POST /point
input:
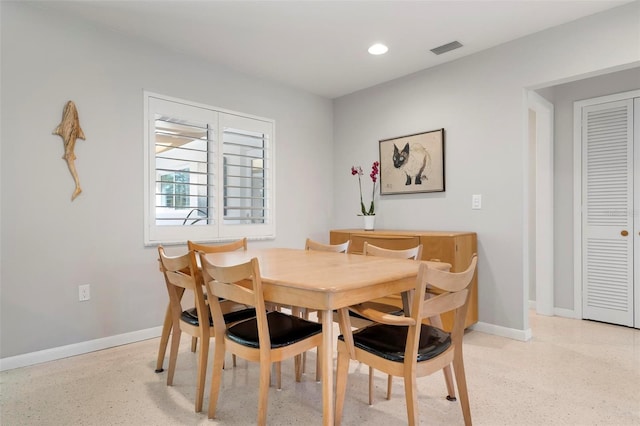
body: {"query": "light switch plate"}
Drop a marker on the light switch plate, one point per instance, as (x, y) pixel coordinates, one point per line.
(476, 201)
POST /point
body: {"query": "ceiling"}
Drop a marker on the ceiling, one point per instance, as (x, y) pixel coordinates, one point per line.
(321, 46)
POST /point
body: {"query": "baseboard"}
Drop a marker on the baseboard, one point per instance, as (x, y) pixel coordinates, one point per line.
(60, 352)
(558, 312)
(511, 333)
(565, 313)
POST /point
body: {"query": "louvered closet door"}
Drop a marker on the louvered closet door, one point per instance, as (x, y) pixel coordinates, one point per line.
(607, 194)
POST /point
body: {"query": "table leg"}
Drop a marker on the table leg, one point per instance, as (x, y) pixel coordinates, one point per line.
(327, 368)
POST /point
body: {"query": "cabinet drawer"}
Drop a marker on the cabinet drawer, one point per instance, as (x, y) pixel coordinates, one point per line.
(394, 242)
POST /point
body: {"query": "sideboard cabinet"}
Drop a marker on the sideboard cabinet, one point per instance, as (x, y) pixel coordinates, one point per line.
(455, 248)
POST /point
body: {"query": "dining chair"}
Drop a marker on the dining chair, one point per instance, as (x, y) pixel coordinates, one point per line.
(220, 248)
(194, 247)
(167, 324)
(268, 337)
(182, 274)
(414, 253)
(404, 346)
(335, 248)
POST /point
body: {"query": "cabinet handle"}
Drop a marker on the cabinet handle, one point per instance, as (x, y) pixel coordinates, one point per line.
(624, 233)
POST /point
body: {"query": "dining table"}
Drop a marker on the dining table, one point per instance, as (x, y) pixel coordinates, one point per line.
(326, 282)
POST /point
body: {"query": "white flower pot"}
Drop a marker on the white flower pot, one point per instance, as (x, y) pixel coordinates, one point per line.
(369, 222)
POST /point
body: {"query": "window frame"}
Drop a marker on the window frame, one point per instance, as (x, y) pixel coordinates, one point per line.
(220, 119)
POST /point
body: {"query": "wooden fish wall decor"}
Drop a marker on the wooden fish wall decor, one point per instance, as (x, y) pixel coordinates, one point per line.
(69, 129)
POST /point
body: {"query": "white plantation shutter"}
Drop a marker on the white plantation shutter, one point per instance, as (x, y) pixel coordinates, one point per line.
(607, 138)
(208, 173)
(247, 184)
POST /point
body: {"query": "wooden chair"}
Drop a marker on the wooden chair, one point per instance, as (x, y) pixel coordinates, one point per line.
(404, 346)
(335, 248)
(166, 326)
(414, 253)
(182, 274)
(267, 338)
(236, 245)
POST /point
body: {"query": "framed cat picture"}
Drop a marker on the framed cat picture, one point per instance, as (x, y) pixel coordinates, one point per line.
(412, 163)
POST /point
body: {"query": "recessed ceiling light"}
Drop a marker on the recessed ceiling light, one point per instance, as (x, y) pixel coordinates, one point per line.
(378, 49)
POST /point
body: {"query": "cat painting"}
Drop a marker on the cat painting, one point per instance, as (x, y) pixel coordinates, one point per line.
(414, 160)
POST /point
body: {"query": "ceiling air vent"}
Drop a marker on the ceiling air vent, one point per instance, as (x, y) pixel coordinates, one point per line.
(446, 47)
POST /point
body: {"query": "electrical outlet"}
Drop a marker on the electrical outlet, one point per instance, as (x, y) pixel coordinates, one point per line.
(84, 292)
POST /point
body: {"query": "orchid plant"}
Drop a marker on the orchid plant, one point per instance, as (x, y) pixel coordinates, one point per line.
(375, 170)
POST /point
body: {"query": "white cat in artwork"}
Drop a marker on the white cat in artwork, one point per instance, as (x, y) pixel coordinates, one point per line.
(414, 160)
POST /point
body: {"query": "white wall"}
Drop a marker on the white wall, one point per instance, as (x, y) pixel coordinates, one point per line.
(480, 101)
(563, 96)
(51, 245)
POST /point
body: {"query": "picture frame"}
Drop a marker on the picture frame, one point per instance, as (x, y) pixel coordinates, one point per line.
(413, 163)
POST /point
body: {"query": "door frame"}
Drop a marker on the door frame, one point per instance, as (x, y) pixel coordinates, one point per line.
(577, 191)
(636, 206)
(543, 193)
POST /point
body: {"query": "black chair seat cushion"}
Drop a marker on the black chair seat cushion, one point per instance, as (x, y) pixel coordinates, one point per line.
(283, 329)
(389, 341)
(190, 316)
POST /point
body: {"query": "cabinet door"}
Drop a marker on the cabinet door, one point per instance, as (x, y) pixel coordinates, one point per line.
(440, 248)
(339, 237)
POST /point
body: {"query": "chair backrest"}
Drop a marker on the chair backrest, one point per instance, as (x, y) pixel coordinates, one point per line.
(195, 248)
(337, 248)
(414, 253)
(218, 248)
(239, 283)
(181, 273)
(452, 290)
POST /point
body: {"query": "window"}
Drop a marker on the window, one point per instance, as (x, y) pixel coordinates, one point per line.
(209, 173)
(174, 188)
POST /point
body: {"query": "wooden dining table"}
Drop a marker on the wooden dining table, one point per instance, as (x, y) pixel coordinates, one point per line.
(325, 282)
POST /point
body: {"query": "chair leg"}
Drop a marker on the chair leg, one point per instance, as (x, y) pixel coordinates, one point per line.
(448, 379)
(342, 371)
(164, 340)
(389, 382)
(370, 385)
(318, 367)
(304, 313)
(173, 354)
(411, 393)
(194, 344)
(263, 399)
(203, 358)
(278, 375)
(297, 360)
(216, 377)
(461, 381)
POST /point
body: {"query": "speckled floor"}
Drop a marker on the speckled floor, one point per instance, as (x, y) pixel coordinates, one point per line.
(571, 373)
